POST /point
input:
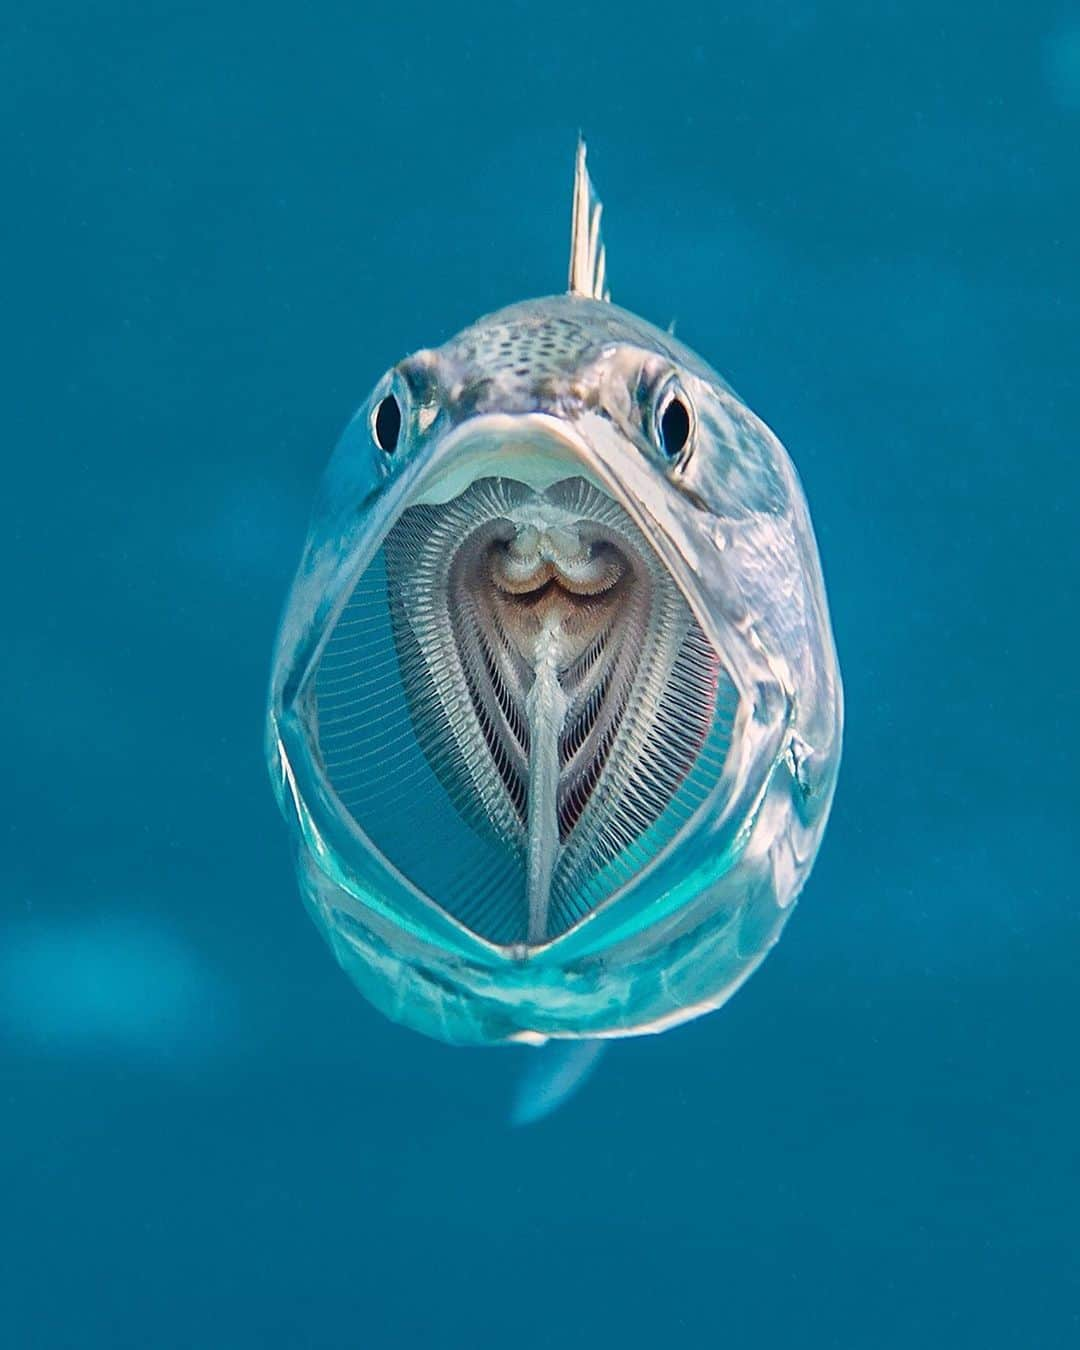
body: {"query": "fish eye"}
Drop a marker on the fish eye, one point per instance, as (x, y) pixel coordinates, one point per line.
(674, 424)
(386, 424)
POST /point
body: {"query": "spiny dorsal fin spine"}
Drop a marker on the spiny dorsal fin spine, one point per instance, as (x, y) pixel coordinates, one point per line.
(588, 263)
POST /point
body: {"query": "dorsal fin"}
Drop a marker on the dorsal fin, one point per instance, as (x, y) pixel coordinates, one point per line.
(587, 262)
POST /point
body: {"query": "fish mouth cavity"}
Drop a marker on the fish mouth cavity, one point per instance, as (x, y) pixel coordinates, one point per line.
(542, 582)
(518, 706)
(545, 601)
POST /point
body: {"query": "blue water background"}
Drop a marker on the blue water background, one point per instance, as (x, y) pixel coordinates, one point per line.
(221, 224)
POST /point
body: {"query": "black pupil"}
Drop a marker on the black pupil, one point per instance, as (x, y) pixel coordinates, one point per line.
(387, 423)
(674, 427)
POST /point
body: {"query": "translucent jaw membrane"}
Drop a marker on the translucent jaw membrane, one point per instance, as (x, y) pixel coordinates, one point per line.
(517, 706)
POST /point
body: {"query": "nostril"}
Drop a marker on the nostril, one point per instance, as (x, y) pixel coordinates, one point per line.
(421, 375)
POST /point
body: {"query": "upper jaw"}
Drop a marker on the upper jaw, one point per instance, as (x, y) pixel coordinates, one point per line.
(536, 449)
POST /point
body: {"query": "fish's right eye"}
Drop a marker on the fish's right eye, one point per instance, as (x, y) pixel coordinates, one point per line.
(386, 424)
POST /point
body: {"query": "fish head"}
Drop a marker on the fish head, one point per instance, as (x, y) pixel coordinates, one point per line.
(557, 634)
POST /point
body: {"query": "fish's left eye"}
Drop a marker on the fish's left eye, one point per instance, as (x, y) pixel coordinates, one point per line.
(673, 423)
(675, 428)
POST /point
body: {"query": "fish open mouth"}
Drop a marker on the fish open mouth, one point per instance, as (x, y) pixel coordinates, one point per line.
(517, 705)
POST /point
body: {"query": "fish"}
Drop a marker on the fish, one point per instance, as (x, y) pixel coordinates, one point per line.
(555, 713)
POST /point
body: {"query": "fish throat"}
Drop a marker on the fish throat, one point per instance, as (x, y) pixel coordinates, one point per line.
(542, 601)
(559, 689)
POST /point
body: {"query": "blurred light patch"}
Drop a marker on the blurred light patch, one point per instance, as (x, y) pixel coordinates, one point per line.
(116, 986)
(1063, 65)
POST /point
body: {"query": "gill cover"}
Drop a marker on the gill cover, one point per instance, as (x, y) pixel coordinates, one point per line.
(555, 713)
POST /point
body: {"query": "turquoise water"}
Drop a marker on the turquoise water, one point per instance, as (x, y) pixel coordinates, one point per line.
(221, 225)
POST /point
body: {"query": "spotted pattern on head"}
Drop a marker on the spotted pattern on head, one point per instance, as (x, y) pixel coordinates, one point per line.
(536, 357)
(526, 347)
(518, 363)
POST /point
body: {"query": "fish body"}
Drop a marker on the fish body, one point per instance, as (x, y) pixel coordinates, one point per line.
(555, 714)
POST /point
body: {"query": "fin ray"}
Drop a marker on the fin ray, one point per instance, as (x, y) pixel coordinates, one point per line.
(588, 261)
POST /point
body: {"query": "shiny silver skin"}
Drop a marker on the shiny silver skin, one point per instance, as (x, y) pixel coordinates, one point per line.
(545, 390)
